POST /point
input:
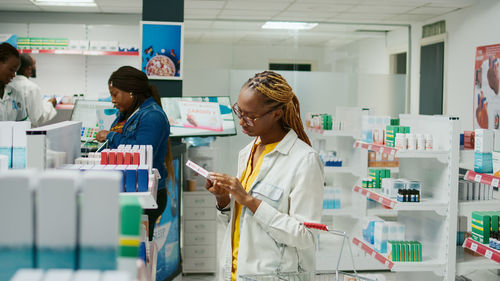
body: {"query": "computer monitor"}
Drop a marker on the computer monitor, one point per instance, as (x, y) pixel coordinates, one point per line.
(199, 116)
(94, 115)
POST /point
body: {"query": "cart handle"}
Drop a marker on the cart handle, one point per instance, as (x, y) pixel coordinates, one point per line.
(319, 226)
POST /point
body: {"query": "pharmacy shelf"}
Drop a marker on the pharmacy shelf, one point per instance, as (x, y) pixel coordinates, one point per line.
(432, 265)
(331, 133)
(341, 170)
(465, 208)
(423, 205)
(467, 263)
(146, 199)
(441, 156)
(482, 178)
(394, 170)
(79, 52)
(482, 249)
(381, 212)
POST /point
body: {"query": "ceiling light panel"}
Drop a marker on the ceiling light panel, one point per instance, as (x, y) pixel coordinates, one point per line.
(289, 25)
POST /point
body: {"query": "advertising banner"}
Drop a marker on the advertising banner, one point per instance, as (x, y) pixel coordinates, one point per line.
(486, 100)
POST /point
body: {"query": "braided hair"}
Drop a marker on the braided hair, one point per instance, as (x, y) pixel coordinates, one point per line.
(277, 91)
(136, 82)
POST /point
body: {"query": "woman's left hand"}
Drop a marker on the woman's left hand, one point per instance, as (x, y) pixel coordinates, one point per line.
(234, 187)
(101, 136)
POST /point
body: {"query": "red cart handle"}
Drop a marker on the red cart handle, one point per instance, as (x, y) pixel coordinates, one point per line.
(319, 226)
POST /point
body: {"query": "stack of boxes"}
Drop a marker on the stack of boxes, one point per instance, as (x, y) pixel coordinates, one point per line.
(405, 251)
(331, 197)
(373, 128)
(483, 223)
(13, 143)
(376, 176)
(378, 232)
(379, 159)
(469, 139)
(134, 162)
(75, 223)
(392, 130)
(393, 188)
(483, 149)
(321, 121)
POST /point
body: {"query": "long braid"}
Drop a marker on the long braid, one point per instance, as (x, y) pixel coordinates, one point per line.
(276, 89)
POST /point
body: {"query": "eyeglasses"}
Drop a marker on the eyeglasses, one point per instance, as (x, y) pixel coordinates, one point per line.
(249, 120)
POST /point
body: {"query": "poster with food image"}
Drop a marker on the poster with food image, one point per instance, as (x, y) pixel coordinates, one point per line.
(486, 100)
(162, 49)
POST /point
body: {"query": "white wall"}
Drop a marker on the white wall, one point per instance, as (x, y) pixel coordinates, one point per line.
(466, 29)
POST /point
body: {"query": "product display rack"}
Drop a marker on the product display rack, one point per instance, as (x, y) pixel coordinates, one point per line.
(357, 163)
(147, 199)
(437, 169)
(78, 52)
(483, 249)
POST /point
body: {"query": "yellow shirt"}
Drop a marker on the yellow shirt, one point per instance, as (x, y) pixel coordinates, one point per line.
(247, 179)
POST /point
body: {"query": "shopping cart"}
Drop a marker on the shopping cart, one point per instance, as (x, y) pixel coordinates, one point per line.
(318, 275)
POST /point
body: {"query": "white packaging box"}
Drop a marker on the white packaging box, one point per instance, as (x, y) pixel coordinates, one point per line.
(496, 140)
(483, 141)
(496, 160)
(87, 275)
(16, 222)
(28, 275)
(59, 275)
(4, 163)
(99, 210)
(56, 218)
(6, 140)
(380, 236)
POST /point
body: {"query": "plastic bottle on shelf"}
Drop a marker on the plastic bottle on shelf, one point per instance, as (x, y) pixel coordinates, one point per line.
(429, 144)
(420, 142)
(411, 141)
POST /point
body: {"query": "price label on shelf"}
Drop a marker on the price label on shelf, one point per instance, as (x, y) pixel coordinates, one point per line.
(477, 178)
(494, 182)
(381, 199)
(381, 149)
(393, 152)
(488, 254)
(369, 147)
(374, 254)
(473, 247)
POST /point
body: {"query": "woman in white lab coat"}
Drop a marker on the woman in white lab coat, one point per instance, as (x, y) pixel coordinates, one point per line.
(11, 108)
(279, 186)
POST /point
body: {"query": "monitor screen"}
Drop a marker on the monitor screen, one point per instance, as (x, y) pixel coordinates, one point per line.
(94, 115)
(199, 116)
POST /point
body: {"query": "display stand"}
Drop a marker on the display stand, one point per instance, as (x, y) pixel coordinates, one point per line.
(355, 164)
(147, 199)
(432, 221)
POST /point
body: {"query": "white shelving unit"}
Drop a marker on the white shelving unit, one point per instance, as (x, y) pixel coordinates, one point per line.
(355, 164)
(490, 259)
(433, 221)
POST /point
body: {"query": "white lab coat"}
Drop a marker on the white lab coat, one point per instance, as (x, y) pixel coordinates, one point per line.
(290, 185)
(25, 102)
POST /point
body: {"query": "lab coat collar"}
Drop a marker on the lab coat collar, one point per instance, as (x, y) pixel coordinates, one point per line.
(287, 142)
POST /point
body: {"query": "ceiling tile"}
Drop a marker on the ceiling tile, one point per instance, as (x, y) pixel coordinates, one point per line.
(244, 14)
(201, 13)
(256, 5)
(123, 9)
(432, 10)
(243, 26)
(203, 5)
(355, 17)
(319, 7)
(407, 18)
(195, 24)
(382, 9)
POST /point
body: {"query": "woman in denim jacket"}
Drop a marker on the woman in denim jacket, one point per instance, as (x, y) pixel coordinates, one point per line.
(141, 121)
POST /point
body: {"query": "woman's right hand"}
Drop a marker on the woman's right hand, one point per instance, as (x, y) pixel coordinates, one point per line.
(221, 194)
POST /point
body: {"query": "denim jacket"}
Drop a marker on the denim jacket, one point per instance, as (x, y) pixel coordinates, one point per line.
(149, 125)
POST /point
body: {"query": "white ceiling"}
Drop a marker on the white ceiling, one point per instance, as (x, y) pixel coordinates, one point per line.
(240, 21)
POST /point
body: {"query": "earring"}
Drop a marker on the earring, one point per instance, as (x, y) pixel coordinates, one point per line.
(131, 94)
